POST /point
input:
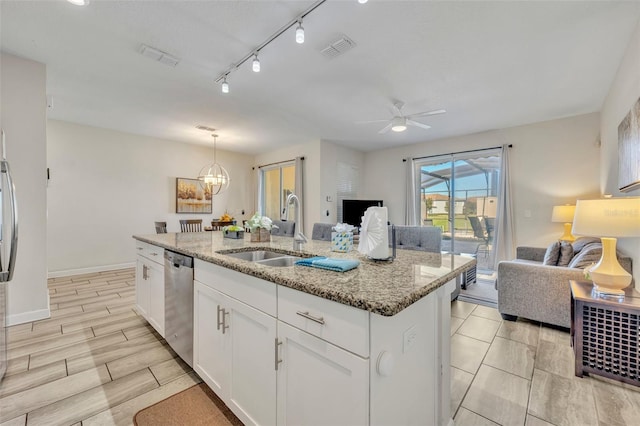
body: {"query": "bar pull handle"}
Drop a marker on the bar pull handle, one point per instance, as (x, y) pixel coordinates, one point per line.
(224, 320)
(138, 248)
(277, 359)
(145, 272)
(311, 317)
(219, 311)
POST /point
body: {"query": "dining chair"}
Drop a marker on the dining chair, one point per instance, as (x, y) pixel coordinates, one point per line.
(161, 227)
(191, 225)
(421, 238)
(284, 228)
(322, 231)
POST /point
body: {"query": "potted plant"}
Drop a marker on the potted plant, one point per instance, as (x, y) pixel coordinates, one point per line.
(260, 227)
(233, 231)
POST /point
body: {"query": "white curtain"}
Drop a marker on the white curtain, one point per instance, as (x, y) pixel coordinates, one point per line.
(504, 233)
(299, 191)
(256, 178)
(410, 206)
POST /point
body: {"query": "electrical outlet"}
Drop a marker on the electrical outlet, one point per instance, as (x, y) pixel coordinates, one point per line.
(409, 338)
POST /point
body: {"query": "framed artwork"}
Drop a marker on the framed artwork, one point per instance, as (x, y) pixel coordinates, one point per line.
(192, 196)
(629, 150)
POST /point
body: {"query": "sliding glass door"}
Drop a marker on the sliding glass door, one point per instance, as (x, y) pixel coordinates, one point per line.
(459, 193)
(276, 183)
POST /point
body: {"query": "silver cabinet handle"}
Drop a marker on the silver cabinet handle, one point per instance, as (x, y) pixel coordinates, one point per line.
(138, 248)
(219, 322)
(145, 272)
(154, 254)
(311, 317)
(222, 322)
(277, 360)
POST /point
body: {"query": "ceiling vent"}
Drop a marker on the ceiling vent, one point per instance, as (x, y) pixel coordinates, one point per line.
(158, 55)
(338, 47)
(208, 129)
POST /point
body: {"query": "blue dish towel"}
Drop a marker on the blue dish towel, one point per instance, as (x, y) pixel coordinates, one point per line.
(338, 265)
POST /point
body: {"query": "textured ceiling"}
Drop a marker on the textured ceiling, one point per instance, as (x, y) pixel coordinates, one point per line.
(489, 64)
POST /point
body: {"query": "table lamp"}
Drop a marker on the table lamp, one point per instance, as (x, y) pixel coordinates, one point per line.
(608, 218)
(564, 214)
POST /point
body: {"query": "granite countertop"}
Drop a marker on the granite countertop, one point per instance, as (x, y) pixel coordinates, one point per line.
(384, 288)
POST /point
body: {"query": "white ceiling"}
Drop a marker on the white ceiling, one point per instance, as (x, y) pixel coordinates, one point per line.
(489, 64)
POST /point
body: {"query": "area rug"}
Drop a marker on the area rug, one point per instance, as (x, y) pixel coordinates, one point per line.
(197, 405)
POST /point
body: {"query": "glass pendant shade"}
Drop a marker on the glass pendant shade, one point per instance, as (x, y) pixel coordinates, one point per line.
(213, 177)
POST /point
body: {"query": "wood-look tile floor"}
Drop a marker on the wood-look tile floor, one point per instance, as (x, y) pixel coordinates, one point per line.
(97, 362)
(94, 362)
(522, 373)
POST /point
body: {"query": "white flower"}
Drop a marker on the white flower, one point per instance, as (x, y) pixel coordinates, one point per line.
(258, 221)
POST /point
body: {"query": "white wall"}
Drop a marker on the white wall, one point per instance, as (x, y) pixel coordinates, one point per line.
(553, 162)
(106, 186)
(23, 118)
(624, 92)
(312, 177)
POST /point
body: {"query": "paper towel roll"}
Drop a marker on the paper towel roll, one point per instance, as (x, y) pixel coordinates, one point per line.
(374, 238)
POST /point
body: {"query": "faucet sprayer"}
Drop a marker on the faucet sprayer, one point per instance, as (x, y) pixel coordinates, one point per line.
(299, 239)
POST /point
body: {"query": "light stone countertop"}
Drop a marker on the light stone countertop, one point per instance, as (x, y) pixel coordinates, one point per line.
(384, 288)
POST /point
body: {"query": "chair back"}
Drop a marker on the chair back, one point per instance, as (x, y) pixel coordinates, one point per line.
(284, 228)
(161, 227)
(322, 231)
(489, 224)
(191, 225)
(422, 238)
(478, 229)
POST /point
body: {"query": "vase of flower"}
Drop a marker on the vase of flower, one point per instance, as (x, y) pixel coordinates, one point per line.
(260, 228)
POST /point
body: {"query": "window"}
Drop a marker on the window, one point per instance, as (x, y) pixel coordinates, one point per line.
(276, 183)
(346, 185)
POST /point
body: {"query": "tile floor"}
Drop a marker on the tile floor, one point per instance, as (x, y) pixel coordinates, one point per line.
(522, 373)
(96, 362)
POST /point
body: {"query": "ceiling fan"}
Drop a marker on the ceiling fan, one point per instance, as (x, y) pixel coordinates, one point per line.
(399, 122)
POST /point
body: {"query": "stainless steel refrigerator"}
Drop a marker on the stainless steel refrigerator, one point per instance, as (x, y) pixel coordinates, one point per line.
(8, 247)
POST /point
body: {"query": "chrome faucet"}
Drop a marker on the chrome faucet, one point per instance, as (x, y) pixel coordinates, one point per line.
(299, 239)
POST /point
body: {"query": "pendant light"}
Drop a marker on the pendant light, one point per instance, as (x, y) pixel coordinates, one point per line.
(214, 177)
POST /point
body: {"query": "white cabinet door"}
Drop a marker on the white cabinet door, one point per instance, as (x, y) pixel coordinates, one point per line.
(210, 353)
(252, 334)
(319, 383)
(142, 287)
(155, 275)
(235, 354)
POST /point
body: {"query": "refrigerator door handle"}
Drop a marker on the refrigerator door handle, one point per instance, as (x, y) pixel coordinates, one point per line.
(8, 274)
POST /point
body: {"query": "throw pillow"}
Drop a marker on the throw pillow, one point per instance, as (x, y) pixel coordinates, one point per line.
(566, 254)
(579, 243)
(552, 254)
(591, 253)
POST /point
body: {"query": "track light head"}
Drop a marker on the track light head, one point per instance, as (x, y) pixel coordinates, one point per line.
(362, 1)
(299, 33)
(255, 65)
(225, 86)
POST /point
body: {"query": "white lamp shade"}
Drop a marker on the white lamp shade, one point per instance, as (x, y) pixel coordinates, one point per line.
(608, 217)
(563, 214)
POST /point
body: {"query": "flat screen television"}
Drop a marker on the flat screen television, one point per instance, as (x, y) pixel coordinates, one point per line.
(353, 210)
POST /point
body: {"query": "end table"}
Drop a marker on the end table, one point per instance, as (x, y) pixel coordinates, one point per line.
(605, 333)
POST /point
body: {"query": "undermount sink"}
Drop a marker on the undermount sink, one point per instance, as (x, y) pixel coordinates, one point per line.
(265, 257)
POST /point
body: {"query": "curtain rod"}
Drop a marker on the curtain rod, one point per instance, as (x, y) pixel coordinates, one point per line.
(277, 162)
(459, 152)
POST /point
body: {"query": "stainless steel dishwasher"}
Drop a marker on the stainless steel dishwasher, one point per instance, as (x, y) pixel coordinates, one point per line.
(178, 304)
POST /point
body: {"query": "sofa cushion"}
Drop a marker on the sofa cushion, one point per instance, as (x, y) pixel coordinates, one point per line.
(579, 243)
(591, 253)
(552, 254)
(566, 254)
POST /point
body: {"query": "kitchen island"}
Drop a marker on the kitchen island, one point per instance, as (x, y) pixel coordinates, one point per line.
(299, 345)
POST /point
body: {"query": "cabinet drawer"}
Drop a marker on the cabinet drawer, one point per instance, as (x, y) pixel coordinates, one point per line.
(253, 291)
(344, 326)
(151, 252)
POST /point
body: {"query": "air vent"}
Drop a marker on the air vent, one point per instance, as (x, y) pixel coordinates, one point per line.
(158, 55)
(208, 129)
(338, 47)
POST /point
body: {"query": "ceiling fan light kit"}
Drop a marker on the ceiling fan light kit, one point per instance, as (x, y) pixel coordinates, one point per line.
(399, 122)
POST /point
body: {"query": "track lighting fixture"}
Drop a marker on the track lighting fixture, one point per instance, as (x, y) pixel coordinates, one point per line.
(225, 86)
(299, 33)
(255, 65)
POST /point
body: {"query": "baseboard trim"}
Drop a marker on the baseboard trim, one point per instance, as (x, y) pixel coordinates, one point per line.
(30, 316)
(91, 270)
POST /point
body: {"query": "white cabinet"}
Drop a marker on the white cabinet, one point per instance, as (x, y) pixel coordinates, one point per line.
(319, 383)
(150, 284)
(235, 354)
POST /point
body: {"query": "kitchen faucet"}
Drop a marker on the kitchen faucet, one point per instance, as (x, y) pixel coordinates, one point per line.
(299, 239)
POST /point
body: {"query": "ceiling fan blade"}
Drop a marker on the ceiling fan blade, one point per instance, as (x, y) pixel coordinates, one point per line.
(425, 113)
(385, 129)
(371, 121)
(416, 124)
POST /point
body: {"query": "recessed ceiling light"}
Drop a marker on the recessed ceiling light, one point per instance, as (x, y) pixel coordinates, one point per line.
(79, 2)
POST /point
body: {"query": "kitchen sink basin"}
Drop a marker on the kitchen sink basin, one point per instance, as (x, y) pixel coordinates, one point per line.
(255, 256)
(279, 261)
(265, 257)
